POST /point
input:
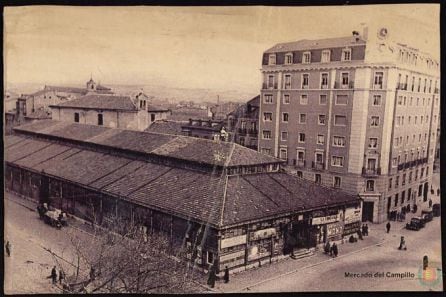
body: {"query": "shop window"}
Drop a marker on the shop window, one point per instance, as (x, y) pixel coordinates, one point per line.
(317, 178)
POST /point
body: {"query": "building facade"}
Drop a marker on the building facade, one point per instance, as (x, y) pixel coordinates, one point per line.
(358, 112)
(219, 202)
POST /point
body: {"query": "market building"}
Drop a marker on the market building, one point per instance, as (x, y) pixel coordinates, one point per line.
(223, 203)
(358, 113)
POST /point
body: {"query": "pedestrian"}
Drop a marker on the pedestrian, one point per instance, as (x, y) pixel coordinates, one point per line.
(402, 244)
(54, 275)
(425, 262)
(327, 247)
(61, 276)
(8, 248)
(438, 191)
(366, 230)
(331, 250)
(430, 203)
(92, 274)
(335, 250)
(388, 227)
(362, 230)
(211, 278)
(226, 276)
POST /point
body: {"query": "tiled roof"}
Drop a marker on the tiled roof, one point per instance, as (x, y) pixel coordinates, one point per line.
(109, 102)
(204, 197)
(65, 89)
(166, 127)
(306, 44)
(197, 150)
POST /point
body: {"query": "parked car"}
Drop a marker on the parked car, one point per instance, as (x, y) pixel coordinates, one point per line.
(427, 215)
(436, 209)
(416, 223)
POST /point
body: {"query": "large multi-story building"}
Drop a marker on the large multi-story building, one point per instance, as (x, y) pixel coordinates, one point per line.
(357, 112)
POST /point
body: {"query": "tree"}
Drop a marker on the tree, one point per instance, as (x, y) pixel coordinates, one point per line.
(125, 259)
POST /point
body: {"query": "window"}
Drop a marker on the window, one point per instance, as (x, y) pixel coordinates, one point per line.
(266, 151)
(301, 155)
(325, 56)
(403, 196)
(403, 182)
(100, 119)
(400, 100)
(376, 100)
(321, 119)
(299, 174)
(301, 137)
(317, 178)
(304, 99)
(410, 177)
(287, 82)
(210, 258)
(370, 185)
(374, 121)
(289, 58)
(285, 117)
(390, 183)
(341, 100)
(319, 158)
(324, 80)
(320, 139)
(396, 200)
(270, 81)
(344, 78)
(305, 80)
(337, 161)
(419, 84)
(266, 134)
(346, 54)
(302, 118)
(242, 141)
(373, 142)
(394, 162)
(322, 99)
(284, 136)
(339, 141)
(337, 181)
(267, 116)
(268, 98)
(286, 99)
(378, 80)
(306, 57)
(272, 59)
(283, 154)
(340, 120)
(76, 117)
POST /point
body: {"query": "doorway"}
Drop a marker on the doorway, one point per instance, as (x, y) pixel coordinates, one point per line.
(367, 211)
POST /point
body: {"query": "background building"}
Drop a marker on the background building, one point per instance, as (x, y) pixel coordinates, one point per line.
(358, 113)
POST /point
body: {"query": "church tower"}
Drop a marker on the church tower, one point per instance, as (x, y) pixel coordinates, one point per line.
(91, 85)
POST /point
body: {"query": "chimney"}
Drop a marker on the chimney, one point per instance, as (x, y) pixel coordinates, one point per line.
(365, 31)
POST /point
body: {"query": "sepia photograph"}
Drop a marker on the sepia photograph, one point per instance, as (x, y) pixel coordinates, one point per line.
(221, 149)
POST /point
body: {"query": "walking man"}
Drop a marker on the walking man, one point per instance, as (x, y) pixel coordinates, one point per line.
(54, 275)
(388, 227)
(211, 278)
(402, 244)
(8, 248)
(327, 247)
(335, 249)
(226, 276)
(366, 230)
(61, 276)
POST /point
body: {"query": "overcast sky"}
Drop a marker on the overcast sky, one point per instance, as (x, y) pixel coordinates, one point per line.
(206, 47)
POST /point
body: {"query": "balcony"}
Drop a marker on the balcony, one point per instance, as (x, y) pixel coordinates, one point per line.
(371, 171)
(299, 163)
(266, 86)
(400, 166)
(401, 86)
(407, 165)
(317, 165)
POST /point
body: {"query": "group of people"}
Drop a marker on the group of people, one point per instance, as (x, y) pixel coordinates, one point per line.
(54, 275)
(331, 249)
(213, 276)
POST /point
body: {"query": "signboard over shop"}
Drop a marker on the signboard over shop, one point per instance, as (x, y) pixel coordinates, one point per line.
(326, 219)
(352, 215)
(264, 233)
(233, 241)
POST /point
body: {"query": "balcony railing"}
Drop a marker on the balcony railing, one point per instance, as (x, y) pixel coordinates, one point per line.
(401, 86)
(266, 86)
(299, 163)
(400, 166)
(371, 171)
(317, 165)
(338, 85)
(377, 86)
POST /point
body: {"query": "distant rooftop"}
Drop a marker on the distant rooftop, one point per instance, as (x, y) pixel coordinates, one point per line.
(94, 101)
(306, 44)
